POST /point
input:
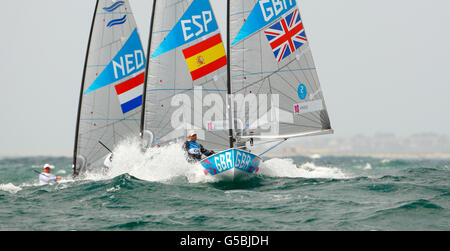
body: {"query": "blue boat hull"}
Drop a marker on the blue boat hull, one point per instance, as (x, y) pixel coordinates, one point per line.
(232, 164)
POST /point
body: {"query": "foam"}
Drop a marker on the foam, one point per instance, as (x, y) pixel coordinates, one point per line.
(161, 164)
(10, 188)
(286, 168)
(167, 163)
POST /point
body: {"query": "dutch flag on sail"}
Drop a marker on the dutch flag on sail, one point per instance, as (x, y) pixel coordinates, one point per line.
(130, 93)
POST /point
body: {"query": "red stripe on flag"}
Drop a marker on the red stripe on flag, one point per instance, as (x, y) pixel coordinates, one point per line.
(202, 46)
(130, 84)
(288, 35)
(207, 69)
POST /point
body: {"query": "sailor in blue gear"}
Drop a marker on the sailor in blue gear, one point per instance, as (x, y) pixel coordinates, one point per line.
(46, 177)
(195, 150)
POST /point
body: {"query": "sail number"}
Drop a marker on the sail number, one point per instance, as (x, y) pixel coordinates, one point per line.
(242, 161)
(197, 25)
(224, 161)
(271, 8)
(129, 63)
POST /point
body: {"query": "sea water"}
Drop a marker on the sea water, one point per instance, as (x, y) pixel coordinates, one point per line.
(159, 190)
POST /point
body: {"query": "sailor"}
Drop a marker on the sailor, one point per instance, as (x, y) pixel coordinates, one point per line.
(108, 161)
(46, 177)
(195, 150)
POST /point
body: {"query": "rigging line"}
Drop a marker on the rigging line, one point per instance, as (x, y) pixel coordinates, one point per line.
(96, 153)
(101, 143)
(273, 147)
(94, 145)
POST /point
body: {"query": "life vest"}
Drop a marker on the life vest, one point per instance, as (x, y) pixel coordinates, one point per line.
(194, 148)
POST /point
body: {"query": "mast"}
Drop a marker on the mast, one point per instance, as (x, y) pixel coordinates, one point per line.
(230, 104)
(144, 96)
(81, 92)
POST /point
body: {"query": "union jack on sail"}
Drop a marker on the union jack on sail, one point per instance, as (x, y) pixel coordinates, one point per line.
(286, 36)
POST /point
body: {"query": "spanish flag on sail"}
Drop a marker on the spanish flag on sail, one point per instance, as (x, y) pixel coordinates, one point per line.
(205, 57)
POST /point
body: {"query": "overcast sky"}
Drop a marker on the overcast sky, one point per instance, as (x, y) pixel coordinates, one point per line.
(384, 66)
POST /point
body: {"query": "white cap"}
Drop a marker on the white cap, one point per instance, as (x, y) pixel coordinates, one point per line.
(48, 166)
(192, 133)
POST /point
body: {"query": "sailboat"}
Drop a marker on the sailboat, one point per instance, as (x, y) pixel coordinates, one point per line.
(111, 97)
(263, 89)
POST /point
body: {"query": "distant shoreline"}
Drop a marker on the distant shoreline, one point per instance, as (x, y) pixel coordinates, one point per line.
(415, 156)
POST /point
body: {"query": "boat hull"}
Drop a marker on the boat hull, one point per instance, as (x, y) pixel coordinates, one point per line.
(232, 164)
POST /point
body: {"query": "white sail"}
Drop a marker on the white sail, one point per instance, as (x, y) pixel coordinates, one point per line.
(112, 89)
(275, 86)
(187, 80)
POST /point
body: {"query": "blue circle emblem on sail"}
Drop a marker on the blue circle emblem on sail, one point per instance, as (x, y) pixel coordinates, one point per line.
(302, 91)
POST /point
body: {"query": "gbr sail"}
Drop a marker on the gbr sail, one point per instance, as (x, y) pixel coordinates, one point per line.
(275, 86)
(112, 86)
(187, 76)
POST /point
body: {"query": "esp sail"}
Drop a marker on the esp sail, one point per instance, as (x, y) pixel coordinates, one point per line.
(275, 86)
(187, 76)
(112, 86)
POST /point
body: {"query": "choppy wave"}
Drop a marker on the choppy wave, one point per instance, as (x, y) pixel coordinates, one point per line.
(159, 189)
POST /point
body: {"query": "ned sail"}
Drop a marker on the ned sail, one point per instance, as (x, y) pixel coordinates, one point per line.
(112, 86)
